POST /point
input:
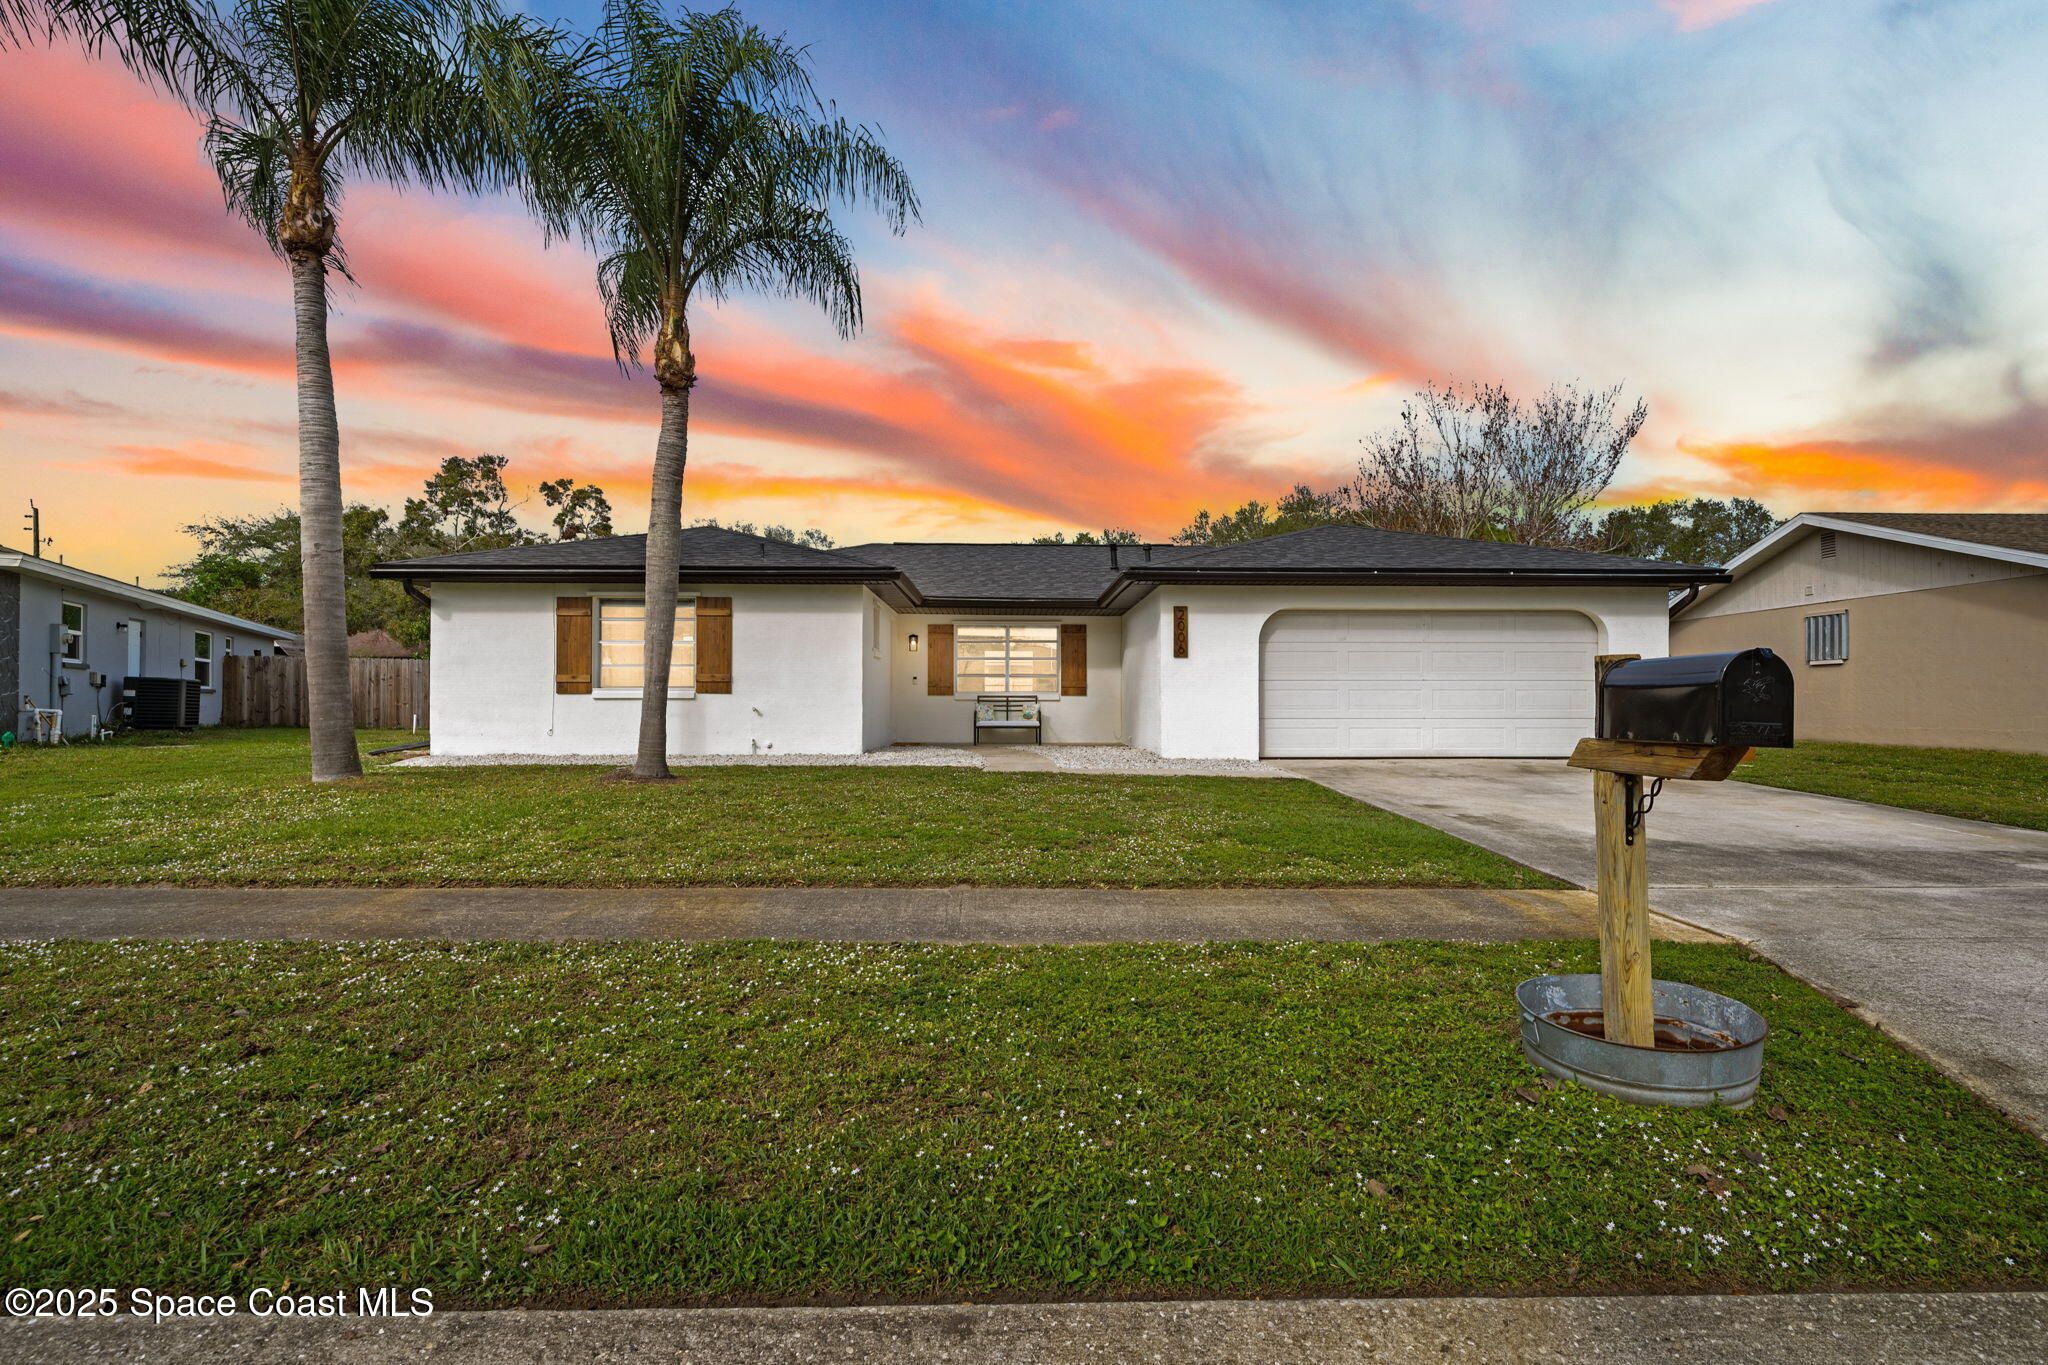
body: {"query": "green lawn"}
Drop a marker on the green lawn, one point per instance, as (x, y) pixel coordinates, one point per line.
(1976, 784)
(234, 808)
(613, 1123)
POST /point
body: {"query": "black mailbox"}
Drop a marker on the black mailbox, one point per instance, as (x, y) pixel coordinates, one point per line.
(1724, 699)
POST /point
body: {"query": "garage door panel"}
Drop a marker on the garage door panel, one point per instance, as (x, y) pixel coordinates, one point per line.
(1464, 661)
(1290, 660)
(1386, 683)
(1551, 701)
(1552, 661)
(1285, 699)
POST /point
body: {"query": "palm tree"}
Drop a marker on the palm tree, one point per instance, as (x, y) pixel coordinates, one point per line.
(300, 95)
(694, 157)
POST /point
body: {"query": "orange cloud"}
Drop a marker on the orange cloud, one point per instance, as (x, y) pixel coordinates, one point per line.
(193, 460)
(1694, 15)
(1848, 475)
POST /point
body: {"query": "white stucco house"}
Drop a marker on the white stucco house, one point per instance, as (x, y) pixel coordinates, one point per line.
(1336, 641)
(70, 641)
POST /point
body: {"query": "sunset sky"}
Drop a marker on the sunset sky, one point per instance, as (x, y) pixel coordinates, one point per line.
(1174, 255)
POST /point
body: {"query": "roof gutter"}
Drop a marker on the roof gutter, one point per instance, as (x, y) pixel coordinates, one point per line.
(1145, 579)
(891, 585)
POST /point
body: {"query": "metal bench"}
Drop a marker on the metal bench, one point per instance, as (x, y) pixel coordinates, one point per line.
(1003, 711)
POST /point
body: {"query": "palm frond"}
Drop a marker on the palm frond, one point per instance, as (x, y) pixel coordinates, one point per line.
(693, 155)
(385, 89)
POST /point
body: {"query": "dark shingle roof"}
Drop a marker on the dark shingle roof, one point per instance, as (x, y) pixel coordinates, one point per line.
(1009, 573)
(1368, 549)
(1109, 577)
(703, 547)
(2005, 530)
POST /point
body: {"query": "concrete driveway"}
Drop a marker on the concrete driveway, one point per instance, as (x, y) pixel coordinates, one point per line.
(1936, 927)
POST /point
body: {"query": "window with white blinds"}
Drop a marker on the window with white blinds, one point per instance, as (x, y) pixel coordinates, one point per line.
(621, 637)
(1007, 659)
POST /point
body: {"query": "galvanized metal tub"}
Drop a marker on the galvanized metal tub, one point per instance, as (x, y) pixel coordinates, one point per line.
(1688, 1080)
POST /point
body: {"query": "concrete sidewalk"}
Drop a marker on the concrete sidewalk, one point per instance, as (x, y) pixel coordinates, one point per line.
(937, 915)
(1815, 1329)
(1936, 927)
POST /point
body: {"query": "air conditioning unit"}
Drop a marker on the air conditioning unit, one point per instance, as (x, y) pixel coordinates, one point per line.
(163, 703)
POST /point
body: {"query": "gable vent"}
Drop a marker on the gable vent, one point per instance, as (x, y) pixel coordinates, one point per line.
(1827, 544)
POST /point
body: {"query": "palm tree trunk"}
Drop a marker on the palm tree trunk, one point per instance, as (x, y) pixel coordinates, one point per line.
(664, 551)
(329, 710)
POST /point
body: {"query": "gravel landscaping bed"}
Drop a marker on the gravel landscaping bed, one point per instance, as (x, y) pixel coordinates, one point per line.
(880, 758)
(1067, 758)
(1118, 758)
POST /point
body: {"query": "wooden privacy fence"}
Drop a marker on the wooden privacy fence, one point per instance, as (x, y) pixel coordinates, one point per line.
(270, 689)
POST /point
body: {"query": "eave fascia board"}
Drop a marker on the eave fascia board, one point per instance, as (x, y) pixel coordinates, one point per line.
(1805, 521)
(144, 597)
(627, 574)
(891, 586)
(1425, 578)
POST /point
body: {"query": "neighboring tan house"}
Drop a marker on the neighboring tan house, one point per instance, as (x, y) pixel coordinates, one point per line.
(1340, 640)
(1926, 628)
(69, 641)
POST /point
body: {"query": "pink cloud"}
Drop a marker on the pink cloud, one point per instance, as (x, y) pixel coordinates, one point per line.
(1694, 15)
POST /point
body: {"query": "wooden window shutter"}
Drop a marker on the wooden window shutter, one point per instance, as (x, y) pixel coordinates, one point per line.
(1074, 660)
(714, 644)
(938, 677)
(572, 645)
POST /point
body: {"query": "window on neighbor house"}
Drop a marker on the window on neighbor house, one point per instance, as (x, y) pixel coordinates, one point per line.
(1827, 638)
(621, 645)
(202, 658)
(1006, 659)
(72, 646)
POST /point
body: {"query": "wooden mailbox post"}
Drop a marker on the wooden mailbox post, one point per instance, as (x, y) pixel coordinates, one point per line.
(1621, 767)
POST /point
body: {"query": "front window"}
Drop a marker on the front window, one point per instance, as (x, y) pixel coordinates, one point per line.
(621, 637)
(202, 658)
(74, 632)
(1007, 658)
(1827, 638)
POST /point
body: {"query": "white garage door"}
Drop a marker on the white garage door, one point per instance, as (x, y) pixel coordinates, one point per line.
(1363, 684)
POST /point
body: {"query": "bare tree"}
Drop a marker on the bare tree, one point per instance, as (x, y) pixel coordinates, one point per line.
(1482, 464)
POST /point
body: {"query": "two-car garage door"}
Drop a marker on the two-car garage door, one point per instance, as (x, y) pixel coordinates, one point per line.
(1360, 684)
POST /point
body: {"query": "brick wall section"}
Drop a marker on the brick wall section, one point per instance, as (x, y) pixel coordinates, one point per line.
(10, 647)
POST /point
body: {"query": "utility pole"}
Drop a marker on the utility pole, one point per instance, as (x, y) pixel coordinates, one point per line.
(34, 522)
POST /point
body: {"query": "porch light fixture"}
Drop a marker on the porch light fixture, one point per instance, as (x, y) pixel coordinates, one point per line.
(913, 642)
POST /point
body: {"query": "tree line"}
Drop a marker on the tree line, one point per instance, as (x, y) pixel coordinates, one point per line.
(1479, 462)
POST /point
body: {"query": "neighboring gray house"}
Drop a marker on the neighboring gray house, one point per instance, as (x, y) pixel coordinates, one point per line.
(69, 640)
